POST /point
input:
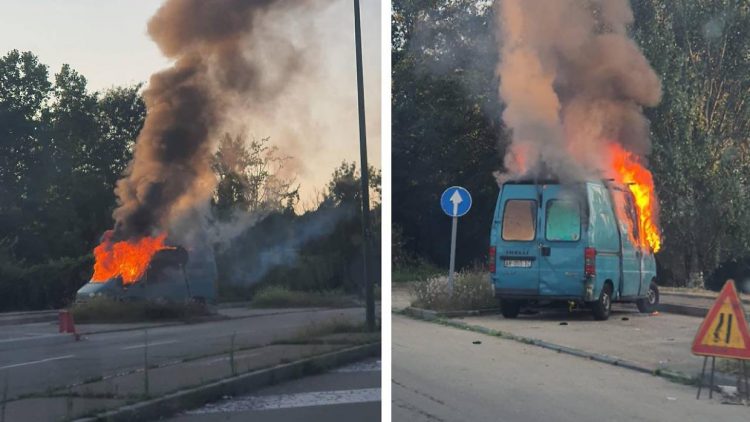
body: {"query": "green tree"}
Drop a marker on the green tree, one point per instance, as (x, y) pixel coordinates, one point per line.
(250, 178)
(24, 92)
(62, 149)
(700, 131)
(446, 123)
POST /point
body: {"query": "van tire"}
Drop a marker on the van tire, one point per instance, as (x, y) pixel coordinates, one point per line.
(603, 306)
(650, 302)
(510, 308)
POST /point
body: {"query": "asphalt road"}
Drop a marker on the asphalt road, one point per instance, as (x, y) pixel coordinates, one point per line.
(440, 374)
(349, 393)
(30, 368)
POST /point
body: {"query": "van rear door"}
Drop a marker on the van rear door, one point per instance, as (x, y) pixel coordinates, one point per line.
(517, 254)
(561, 249)
(631, 252)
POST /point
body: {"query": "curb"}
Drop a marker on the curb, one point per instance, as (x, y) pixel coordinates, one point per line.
(692, 311)
(430, 314)
(665, 373)
(687, 310)
(47, 340)
(17, 318)
(193, 397)
(695, 296)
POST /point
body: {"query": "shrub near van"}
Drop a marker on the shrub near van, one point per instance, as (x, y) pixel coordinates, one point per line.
(569, 243)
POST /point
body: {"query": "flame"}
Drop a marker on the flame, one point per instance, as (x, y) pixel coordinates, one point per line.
(517, 158)
(641, 183)
(127, 259)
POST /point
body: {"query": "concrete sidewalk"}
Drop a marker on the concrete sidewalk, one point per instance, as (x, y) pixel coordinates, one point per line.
(653, 343)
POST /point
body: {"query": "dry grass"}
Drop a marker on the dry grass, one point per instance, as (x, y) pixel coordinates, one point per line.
(471, 290)
(282, 297)
(103, 310)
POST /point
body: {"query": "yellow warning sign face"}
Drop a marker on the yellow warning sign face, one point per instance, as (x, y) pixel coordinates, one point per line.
(724, 332)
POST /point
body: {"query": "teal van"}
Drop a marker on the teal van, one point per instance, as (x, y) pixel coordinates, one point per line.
(573, 243)
(170, 277)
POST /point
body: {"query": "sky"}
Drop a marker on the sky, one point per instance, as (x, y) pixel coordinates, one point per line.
(314, 119)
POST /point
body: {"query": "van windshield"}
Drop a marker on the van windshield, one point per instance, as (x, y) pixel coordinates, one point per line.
(519, 220)
(563, 221)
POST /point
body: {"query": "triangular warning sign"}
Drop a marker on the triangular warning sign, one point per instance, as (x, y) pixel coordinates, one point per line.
(724, 332)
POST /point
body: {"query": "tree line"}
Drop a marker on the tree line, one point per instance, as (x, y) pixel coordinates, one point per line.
(62, 149)
(447, 130)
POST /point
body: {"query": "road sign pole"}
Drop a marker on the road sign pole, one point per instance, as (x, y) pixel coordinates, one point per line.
(455, 202)
(453, 256)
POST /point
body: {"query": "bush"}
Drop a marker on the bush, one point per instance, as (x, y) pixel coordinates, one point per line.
(471, 290)
(282, 297)
(48, 285)
(419, 270)
(103, 310)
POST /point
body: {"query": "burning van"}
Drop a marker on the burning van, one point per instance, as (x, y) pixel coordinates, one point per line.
(148, 269)
(584, 243)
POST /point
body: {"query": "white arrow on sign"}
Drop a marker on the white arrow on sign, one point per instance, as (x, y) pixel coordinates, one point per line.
(456, 199)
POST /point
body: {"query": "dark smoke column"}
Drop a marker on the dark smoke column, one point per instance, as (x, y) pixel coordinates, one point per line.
(170, 171)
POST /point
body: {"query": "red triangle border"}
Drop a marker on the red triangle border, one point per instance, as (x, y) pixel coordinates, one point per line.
(727, 292)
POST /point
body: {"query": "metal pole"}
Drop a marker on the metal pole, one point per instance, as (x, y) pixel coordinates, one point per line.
(711, 383)
(747, 386)
(454, 228)
(703, 376)
(369, 292)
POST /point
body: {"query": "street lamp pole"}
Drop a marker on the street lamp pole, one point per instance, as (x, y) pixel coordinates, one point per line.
(369, 293)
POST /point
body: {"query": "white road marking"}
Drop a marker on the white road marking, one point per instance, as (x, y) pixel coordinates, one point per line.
(37, 361)
(286, 401)
(156, 343)
(237, 356)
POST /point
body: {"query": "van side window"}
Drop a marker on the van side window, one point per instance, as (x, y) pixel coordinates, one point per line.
(519, 220)
(630, 210)
(563, 222)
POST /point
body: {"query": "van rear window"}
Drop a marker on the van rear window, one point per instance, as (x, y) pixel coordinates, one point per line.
(519, 220)
(563, 221)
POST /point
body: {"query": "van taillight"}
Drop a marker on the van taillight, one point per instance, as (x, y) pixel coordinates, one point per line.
(492, 259)
(589, 262)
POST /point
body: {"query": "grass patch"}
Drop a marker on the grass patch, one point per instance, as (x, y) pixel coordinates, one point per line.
(313, 332)
(471, 290)
(282, 297)
(420, 271)
(731, 366)
(103, 310)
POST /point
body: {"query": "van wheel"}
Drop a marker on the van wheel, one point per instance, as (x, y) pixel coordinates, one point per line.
(603, 306)
(510, 308)
(651, 301)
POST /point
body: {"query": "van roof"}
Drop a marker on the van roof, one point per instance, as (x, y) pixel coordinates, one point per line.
(549, 181)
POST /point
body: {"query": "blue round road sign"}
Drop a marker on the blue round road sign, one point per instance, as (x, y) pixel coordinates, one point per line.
(455, 201)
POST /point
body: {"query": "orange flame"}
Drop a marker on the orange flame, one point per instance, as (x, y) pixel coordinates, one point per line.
(641, 183)
(127, 259)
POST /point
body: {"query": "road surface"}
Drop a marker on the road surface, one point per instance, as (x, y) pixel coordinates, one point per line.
(349, 393)
(442, 374)
(36, 368)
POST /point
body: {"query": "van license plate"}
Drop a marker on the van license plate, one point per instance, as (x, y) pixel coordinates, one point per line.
(517, 263)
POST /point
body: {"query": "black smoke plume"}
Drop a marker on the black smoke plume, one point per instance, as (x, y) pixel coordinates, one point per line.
(188, 103)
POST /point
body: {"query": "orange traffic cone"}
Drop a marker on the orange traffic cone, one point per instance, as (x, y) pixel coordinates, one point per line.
(66, 324)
